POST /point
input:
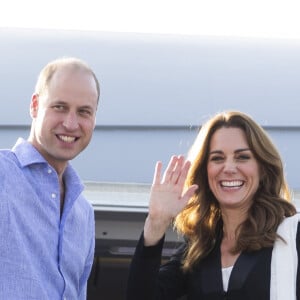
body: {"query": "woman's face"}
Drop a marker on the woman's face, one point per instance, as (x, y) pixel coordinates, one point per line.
(233, 171)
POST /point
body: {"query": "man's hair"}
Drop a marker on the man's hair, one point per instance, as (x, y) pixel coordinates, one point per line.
(48, 71)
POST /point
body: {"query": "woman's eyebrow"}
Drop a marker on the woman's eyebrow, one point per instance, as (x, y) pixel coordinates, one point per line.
(235, 151)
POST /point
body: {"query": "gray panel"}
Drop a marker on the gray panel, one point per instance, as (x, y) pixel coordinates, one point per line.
(129, 154)
(160, 79)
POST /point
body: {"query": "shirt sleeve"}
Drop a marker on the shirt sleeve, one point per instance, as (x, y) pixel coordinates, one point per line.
(89, 263)
(149, 279)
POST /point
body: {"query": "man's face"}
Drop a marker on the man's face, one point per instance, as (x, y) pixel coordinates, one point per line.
(64, 117)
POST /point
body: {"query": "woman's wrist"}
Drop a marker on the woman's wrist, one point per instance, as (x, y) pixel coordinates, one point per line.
(154, 230)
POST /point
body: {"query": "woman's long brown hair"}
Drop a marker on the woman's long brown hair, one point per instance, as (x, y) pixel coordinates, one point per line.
(201, 222)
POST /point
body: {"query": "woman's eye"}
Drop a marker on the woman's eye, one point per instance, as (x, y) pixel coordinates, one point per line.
(243, 157)
(216, 158)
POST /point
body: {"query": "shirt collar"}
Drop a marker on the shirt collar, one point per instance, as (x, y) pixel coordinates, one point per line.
(26, 153)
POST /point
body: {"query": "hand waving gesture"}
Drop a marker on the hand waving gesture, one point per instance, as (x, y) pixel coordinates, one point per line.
(167, 198)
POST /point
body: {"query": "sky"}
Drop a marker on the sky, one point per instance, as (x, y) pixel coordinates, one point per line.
(256, 18)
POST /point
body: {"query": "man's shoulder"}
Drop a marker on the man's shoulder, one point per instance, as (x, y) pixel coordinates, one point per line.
(5, 152)
(7, 156)
(9, 166)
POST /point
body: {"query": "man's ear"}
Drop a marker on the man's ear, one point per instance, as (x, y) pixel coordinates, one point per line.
(34, 105)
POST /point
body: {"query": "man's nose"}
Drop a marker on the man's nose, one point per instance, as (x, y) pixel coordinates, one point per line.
(71, 121)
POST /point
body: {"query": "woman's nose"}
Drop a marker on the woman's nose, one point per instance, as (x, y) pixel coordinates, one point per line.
(230, 166)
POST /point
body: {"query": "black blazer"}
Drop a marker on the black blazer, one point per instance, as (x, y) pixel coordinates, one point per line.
(249, 280)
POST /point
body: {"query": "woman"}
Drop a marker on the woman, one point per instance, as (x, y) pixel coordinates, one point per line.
(232, 204)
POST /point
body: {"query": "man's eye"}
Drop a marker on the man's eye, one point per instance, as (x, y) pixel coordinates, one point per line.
(85, 112)
(59, 107)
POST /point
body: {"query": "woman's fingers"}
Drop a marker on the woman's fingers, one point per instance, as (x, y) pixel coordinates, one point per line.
(169, 170)
(177, 170)
(157, 173)
(175, 173)
(173, 170)
(174, 177)
(183, 173)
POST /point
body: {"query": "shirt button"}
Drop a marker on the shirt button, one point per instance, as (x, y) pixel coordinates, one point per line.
(53, 195)
(49, 171)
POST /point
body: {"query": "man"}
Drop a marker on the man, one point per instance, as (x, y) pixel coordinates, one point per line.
(46, 225)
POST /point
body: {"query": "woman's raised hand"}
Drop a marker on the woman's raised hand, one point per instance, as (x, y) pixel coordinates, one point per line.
(167, 198)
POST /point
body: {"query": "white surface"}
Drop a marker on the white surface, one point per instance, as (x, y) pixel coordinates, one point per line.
(131, 197)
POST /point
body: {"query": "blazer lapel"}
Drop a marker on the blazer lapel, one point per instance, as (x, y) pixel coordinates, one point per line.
(241, 269)
(211, 274)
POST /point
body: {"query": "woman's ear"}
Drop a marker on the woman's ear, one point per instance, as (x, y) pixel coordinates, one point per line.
(34, 105)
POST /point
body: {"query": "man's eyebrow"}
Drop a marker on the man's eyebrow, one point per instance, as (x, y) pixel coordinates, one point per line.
(89, 107)
(61, 102)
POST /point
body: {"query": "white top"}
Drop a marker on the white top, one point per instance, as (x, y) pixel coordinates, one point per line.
(226, 275)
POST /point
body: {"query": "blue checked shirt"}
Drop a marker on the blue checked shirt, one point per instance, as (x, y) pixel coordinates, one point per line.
(42, 256)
